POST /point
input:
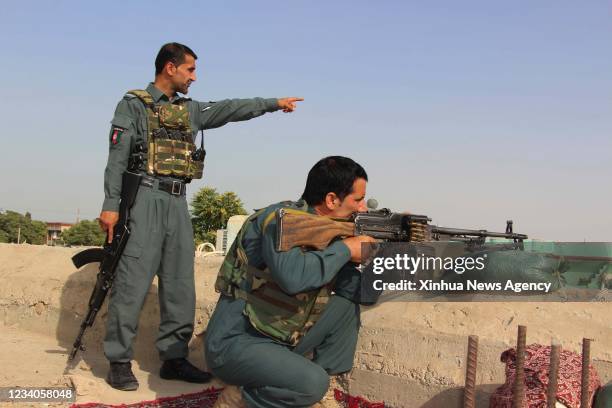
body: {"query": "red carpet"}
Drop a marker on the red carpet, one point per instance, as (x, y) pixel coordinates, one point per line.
(206, 399)
(355, 402)
(202, 399)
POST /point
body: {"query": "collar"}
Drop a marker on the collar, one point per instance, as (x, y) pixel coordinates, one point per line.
(303, 205)
(157, 94)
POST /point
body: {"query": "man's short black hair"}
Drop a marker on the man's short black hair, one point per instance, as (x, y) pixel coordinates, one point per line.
(333, 174)
(173, 52)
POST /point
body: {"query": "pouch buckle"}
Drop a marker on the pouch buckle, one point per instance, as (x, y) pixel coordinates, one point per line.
(177, 187)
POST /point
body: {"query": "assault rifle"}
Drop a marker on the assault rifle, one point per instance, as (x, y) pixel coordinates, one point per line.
(299, 229)
(108, 256)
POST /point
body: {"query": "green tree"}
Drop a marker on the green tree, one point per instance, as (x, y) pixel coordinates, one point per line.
(14, 225)
(210, 212)
(84, 233)
(37, 233)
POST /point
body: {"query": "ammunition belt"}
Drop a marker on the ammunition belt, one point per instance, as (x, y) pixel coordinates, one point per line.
(419, 232)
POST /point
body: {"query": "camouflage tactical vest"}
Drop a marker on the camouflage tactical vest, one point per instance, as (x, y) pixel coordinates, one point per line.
(283, 317)
(170, 148)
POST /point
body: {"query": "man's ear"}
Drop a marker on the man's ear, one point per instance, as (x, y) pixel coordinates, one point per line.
(331, 201)
(170, 68)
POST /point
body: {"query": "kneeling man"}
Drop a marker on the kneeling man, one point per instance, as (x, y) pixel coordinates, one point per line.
(287, 320)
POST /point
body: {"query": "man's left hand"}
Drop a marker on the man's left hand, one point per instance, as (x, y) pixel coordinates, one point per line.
(288, 104)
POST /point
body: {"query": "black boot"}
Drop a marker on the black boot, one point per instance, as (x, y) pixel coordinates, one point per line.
(121, 377)
(181, 369)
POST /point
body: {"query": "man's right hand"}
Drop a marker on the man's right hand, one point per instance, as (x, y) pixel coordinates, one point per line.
(354, 245)
(288, 104)
(107, 221)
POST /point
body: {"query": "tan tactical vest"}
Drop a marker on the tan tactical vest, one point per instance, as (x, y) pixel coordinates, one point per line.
(170, 144)
(283, 317)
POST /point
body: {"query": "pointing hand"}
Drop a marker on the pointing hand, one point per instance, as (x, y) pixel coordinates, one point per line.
(288, 104)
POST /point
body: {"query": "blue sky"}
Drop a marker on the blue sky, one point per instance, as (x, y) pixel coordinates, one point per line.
(470, 112)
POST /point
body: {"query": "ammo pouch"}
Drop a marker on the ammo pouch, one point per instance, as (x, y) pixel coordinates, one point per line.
(284, 317)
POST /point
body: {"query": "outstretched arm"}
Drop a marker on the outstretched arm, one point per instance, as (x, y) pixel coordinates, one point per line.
(211, 115)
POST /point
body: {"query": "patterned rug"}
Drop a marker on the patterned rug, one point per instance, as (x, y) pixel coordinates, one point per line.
(206, 399)
(537, 366)
(202, 399)
(350, 401)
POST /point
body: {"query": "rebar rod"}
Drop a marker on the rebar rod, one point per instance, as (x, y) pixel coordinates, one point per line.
(553, 375)
(469, 393)
(584, 384)
(518, 390)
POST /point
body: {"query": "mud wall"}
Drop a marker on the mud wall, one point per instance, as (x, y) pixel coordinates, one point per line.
(409, 354)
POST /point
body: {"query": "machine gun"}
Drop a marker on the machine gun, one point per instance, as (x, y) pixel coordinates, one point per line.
(108, 256)
(300, 229)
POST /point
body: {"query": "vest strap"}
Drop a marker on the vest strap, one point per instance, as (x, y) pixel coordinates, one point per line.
(144, 96)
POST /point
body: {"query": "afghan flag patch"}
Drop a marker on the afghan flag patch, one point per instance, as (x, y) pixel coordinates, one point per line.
(117, 132)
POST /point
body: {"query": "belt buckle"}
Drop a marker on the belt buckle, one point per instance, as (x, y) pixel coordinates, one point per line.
(175, 190)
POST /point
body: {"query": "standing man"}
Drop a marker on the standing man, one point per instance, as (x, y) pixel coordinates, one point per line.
(153, 132)
(287, 320)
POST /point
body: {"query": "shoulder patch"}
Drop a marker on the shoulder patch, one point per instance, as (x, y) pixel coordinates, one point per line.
(116, 134)
(129, 96)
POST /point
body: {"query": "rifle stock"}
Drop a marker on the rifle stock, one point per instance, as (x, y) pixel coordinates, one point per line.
(301, 229)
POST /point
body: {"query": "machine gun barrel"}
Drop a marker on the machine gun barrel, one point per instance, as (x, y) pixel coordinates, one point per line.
(459, 232)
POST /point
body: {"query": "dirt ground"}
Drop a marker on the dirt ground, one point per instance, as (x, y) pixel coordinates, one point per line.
(409, 354)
